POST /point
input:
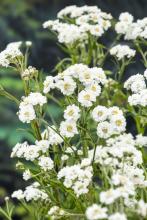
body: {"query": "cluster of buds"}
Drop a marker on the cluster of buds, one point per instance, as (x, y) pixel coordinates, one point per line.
(29, 73)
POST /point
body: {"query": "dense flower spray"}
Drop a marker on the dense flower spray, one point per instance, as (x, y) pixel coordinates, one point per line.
(88, 165)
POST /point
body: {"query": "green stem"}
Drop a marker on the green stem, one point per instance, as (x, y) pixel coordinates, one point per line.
(142, 54)
(140, 129)
(36, 129)
(9, 96)
(121, 71)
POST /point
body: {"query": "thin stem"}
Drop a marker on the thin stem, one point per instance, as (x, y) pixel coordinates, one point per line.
(142, 54)
(36, 129)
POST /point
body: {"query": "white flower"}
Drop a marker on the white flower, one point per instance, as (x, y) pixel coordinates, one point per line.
(109, 196)
(115, 111)
(48, 84)
(122, 27)
(143, 97)
(85, 162)
(75, 70)
(131, 30)
(142, 208)
(80, 152)
(29, 73)
(134, 99)
(27, 175)
(118, 123)
(36, 98)
(19, 150)
(138, 86)
(43, 145)
(99, 75)
(95, 88)
(100, 113)
(78, 177)
(86, 97)
(117, 216)
(26, 113)
(31, 153)
(121, 51)
(141, 140)
(67, 86)
(87, 19)
(66, 11)
(126, 17)
(8, 55)
(29, 43)
(104, 129)
(3, 59)
(118, 179)
(64, 157)
(55, 211)
(85, 76)
(132, 79)
(72, 112)
(95, 212)
(80, 188)
(70, 34)
(46, 163)
(18, 194)
(96, 30)
(51, 134)
(145, 74)
(33, 193)
(68, 128)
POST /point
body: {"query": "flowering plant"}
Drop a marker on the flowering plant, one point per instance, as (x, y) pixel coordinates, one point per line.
(88, 166)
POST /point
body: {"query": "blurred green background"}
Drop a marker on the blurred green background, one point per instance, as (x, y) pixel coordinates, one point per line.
(22, 20)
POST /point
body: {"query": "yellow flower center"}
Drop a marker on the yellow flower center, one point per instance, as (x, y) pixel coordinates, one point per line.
(66, 86)
(69, 128)
(118, 122)
(87, 97)
(71, 112)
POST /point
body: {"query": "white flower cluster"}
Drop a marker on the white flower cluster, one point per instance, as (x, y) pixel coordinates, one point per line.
(142, 208)
(31, 192)
(26, 111)
(12, 53)
(34, 152)
(77, 177)
(96, 212)
(124, 160)
(27, 175)
(68, 127)
(29, 73)
(55, 212)
(131, 30)
(122, 51)
(29, 152)
(81, 76)
(87, 19)
(51, 135)
(9, 55)
(118, 148)
(46, 163)
(110, 121)
(137, 85)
